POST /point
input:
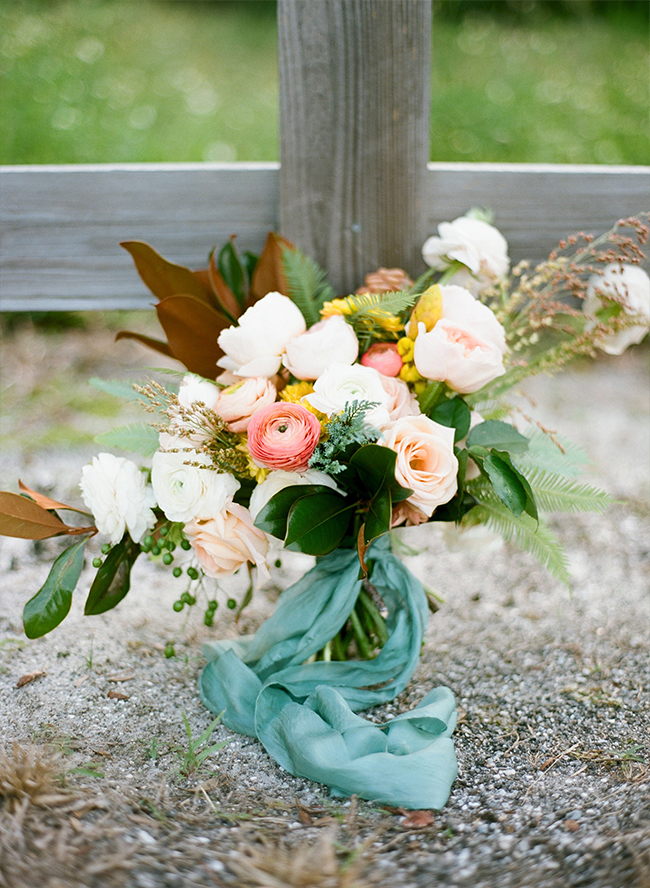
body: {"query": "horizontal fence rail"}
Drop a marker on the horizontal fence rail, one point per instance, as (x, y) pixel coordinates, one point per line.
(61, 225)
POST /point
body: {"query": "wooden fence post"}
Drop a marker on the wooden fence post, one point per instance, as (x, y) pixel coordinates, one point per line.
(354, 132)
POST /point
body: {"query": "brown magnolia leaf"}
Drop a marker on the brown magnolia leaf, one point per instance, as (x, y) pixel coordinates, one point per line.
(165, 278)
(269, 274)
(45, 502)
(224, 294)
(27, 679)
(23, 518)
(155, 344)
(192, 329)
(117, 695)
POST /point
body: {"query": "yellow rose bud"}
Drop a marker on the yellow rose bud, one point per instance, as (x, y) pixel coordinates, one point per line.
(428, 311)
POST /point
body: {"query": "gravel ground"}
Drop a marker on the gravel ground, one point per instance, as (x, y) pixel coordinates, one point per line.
(553, 687)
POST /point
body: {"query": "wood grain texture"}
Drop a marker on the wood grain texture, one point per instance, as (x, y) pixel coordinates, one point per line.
(61, 226)
(354, 112)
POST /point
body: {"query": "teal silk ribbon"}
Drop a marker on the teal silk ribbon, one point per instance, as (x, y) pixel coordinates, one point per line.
(303, 713)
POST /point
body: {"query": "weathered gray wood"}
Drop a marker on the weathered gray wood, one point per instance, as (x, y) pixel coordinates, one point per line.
(61, 226)
(354, 125)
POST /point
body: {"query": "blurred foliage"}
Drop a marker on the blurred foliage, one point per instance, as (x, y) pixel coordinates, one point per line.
(512, 80)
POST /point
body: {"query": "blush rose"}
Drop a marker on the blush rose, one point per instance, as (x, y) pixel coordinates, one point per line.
(228, 540)
(425, 460)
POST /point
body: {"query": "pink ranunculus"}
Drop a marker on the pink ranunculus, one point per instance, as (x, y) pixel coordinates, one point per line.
(238, 402)
(402, 401)
(228, 540)
(425, 460)
(384, 357)
(283, 436)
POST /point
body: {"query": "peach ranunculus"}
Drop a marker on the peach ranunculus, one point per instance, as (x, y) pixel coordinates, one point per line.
(330, 341)
(228, 540)
(465, 348)
(238, 402)
(402, 401)
(283, 436)
(425, 460)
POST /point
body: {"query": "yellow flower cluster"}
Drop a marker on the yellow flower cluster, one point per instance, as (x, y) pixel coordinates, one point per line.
(348, 306)
(296, 392)
(257, 473)
(409, 372)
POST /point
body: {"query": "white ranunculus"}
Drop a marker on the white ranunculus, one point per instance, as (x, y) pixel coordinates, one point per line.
(476, 244)
(331, 341)
(185, 492)
(194, 388)
(254, 347)
(466, 346)
(340, 384)
(278, 480)
(630, 286)
(116, 492)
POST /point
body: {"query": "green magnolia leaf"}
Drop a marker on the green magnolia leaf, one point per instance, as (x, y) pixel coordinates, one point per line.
(113, 578)
(378, 517)
(249, 262)
(137, 437)
(318, 523)
(504, 480)
(530, 507)
(432, 394)
(233, 272)
(273, 517)
(454, 413)
(501, 435)
(375, 467)
(51, 604)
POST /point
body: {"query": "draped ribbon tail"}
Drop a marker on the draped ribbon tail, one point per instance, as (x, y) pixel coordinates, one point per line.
(304, 713)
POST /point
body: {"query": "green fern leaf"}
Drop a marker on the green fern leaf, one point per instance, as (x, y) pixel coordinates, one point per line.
(553, 493)
(119, 388)
(138, 437)
(307, 284)
(538, 539)
(369, 306)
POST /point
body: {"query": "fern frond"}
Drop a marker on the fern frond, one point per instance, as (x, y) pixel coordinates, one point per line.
(370, 306)
(554, 493)
(537, 539)
(306, 283)
(543, 453)
(137, 437)
(116, 387)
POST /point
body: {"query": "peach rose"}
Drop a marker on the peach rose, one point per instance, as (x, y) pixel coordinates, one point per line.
(384, 357)
(402, 401)
(283, 436)
(223, 543)
(425, 460)
(238, 402)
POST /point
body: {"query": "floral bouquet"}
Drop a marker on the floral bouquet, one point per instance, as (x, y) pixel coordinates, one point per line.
(327, 422)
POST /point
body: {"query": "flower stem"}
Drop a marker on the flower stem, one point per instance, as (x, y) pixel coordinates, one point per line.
(363, 645)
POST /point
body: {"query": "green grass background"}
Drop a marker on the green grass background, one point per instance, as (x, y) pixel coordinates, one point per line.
(136, 80)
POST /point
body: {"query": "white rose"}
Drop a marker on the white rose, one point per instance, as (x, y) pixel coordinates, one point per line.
(194, 388)
(255, 346)
(402, 401)
(116, 492)
(466, 346)
(278, 480)
(479, 246)
(332, 341)
(185, 492)
(426, 461)
(628, 285)
(341, 384)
